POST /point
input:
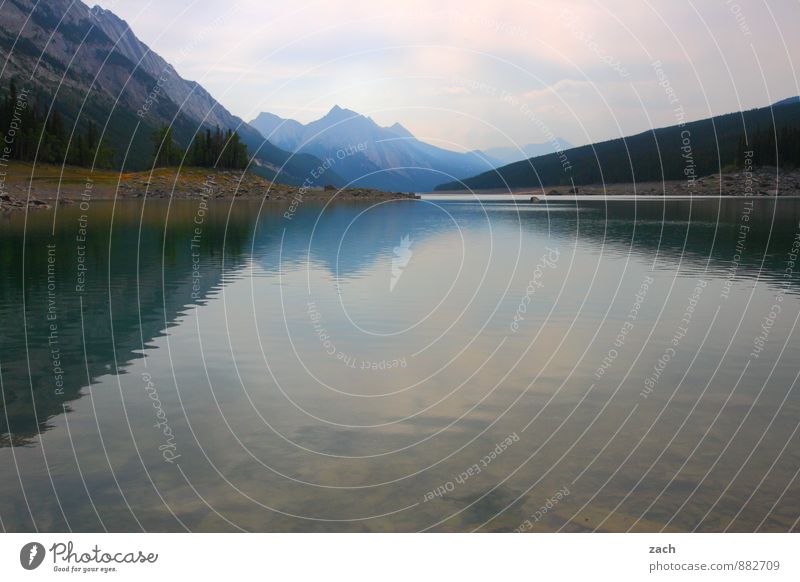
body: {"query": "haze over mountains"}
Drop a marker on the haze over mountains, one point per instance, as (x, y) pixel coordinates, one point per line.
(90, 66)
(682, 151)
(368, 155)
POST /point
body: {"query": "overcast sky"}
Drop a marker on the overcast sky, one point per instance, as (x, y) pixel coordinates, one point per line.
(479, 74)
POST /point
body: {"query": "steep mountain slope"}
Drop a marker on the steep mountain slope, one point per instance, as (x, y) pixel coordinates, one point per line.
(362, 152)
(89, 65)
(671, 153)
(194, 101)
(787, 101)
(509, 155)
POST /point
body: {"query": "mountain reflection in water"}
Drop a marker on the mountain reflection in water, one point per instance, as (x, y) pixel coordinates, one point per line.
(304, 392)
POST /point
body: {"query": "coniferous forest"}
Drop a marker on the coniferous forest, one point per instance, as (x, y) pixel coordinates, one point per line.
(772, 148)
(38, 131)
(32, 134)
(209, 149)
(694, 149)
(35, 131)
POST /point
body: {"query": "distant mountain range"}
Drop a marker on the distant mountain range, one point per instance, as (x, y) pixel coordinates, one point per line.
(677, 152)
(93, 68)
(368, 155)
(89, 67)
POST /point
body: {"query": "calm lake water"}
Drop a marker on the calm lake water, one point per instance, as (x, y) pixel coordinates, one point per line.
(409, 365)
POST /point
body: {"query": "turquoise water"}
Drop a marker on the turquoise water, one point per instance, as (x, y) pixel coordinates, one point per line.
(407, 365)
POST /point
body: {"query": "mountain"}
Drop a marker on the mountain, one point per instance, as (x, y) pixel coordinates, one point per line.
(787, 101)
(286, 132)
(89, 66)
(368, 155)
(677, 152)
(508, 155)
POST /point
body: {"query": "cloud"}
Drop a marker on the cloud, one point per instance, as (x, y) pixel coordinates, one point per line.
(449, 69)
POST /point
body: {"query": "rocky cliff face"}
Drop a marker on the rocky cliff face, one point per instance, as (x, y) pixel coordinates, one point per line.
(90, 64)
(56, 47)
(194, 101)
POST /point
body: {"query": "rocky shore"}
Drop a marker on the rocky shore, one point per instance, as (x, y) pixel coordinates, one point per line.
(759, 182)
(21, 190)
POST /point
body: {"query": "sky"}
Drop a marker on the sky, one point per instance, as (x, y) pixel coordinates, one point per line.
(473, 75)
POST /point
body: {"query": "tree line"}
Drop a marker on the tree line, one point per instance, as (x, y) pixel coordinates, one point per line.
(771, 147)
(679, 152)
(209, 149)
(30, 134)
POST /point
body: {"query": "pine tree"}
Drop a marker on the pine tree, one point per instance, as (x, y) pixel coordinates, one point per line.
(41, 134)
(167, 152)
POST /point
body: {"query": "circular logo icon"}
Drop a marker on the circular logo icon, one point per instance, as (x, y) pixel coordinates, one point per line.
(31, 555)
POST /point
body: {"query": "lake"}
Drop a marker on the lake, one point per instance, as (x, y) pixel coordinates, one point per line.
(441, 365)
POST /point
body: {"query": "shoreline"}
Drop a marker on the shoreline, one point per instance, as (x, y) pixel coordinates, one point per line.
(70, 185)
(761, 182)
(483, 197)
